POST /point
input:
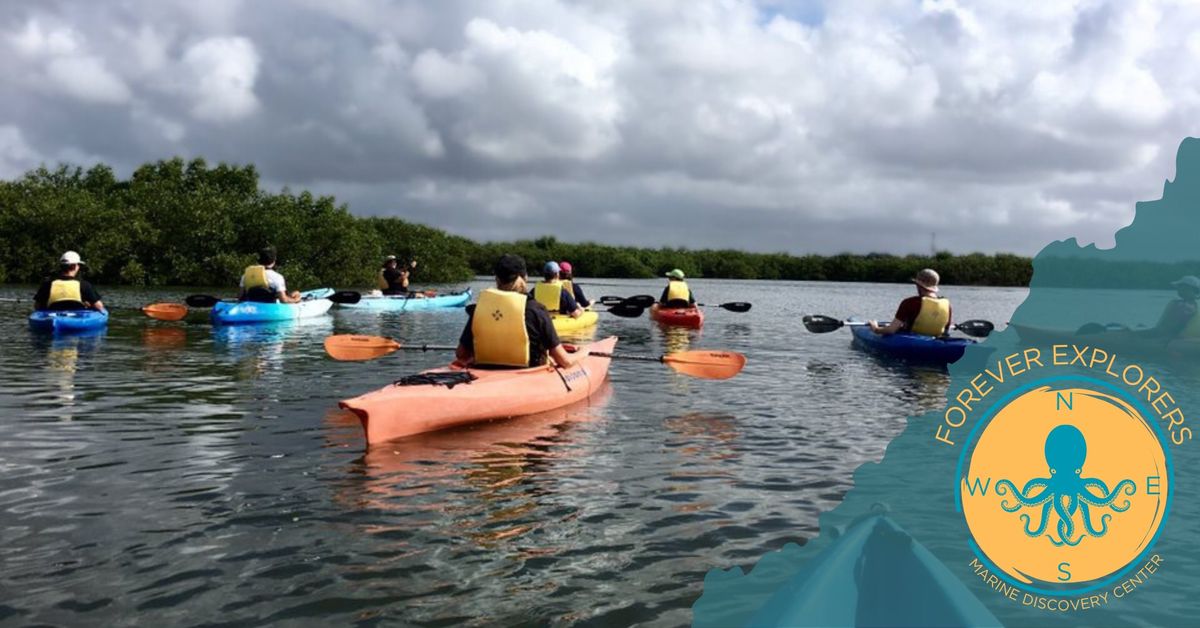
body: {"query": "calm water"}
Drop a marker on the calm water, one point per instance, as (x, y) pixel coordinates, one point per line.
(176, 473)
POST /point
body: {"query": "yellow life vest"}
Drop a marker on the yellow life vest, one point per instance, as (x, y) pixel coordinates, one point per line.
(64, 290)
(255, 277)
(549, 294)
(933, 317)
(382, 282)
(1192, 329)
(498, 329)
(568, 286)
(678, 291)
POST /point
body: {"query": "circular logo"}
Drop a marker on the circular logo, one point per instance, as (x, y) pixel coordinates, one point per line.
(1066, 485)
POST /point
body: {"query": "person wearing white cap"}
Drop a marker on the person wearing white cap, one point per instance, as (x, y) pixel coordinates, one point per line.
(927, 313)
(393, 278)
(551, 293)
(65, 290)
(1179, 319)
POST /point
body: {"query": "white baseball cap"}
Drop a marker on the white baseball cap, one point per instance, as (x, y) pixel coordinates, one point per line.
(69, 258)
(1190, 281)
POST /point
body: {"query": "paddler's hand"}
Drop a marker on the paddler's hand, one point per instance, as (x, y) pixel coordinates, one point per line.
(561, 357)
(874, 325)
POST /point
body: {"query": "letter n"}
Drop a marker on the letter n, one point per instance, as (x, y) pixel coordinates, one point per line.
(1060, 401)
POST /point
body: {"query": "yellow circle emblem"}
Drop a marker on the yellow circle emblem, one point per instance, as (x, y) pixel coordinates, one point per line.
(1066, 485)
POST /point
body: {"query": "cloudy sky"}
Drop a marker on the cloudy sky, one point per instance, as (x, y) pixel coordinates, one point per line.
(800, 126)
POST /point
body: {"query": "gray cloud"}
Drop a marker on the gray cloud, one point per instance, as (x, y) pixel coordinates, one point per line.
(790, 125)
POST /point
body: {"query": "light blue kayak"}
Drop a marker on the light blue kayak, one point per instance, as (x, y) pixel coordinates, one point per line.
(314, 303)
(875, 574)
(68, 321)
(410, 304)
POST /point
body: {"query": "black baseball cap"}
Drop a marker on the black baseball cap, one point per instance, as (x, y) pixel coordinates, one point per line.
(509, 267)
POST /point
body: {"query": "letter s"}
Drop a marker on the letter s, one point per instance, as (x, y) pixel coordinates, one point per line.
(1066, 575)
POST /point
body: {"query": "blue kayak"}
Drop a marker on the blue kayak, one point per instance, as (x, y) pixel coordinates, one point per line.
(875, 574)
(68, 321)
(314, 303)
(399, 303)
(911, 347)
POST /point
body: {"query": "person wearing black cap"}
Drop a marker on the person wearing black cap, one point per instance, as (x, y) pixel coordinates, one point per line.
(511, 329)
(261, 284)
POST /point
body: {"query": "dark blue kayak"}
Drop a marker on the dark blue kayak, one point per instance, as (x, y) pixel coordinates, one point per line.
(68, 321)
(911, 347)
(875, 574)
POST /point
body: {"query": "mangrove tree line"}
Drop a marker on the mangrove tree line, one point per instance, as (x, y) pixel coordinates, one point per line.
(186, 223)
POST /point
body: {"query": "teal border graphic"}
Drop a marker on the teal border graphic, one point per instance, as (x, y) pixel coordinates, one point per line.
(990, 414)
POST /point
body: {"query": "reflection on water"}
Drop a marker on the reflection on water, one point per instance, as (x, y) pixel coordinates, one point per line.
(167, 471)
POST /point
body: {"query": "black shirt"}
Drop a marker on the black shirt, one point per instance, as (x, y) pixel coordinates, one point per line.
(394, 278)
(86, 292)
(542, 336)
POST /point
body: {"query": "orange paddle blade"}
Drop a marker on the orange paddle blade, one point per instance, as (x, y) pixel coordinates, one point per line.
(706, 364)
(352, 347)
(166, 311)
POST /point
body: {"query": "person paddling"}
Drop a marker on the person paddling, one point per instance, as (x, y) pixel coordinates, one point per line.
(1181, 317)
(511, 330)
(66, 290)
(261, 284)
(551, 293)
(677, 294)
(393, 278)
(926, 314)
(566, 273)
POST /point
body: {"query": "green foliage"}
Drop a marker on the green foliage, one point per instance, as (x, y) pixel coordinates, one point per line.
(598, 260)
(185, 223)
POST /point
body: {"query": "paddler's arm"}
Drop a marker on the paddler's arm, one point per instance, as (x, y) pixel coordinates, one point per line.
(465, 352)
(463, 355)
(886, 330)
(91, 296)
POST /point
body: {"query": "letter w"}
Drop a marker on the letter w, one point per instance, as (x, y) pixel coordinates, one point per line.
(974, 485)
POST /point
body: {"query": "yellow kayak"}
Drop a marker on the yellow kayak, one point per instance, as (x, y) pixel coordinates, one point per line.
(564, 323)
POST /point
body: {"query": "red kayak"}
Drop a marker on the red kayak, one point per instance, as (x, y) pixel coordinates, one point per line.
(679, 317)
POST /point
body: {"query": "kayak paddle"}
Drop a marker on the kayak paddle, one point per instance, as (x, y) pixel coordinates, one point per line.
(819, 324)
(734, 306)
(177, 312)
(166, 311)
(640, 300)
(698, 363)
(626, 310)
(353, 347)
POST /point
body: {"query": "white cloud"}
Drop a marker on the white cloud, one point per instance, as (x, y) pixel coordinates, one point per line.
(856, 124)
(16, 156)
(222, 71)
(86, 78)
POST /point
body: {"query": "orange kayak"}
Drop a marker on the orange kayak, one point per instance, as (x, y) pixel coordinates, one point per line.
(397, 411)
(680, 317)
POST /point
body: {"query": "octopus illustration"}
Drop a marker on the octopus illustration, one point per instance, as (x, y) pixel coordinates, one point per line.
(1066, 490)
